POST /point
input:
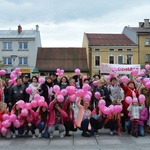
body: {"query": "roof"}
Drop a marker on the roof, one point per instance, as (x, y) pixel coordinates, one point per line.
(140, 29)
(96, 39)
(15, 34)
(68, 59)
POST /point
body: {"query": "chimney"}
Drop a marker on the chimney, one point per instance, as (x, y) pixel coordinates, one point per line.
(19, 29)
(146, 23)
(37, 27)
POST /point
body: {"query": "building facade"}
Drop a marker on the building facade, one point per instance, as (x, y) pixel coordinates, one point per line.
(18, 48)
(109, 48)
(141, 36)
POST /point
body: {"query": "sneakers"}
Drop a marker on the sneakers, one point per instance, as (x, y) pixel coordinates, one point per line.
(111, 133)
(33, 136)
(40, 135)
(85, 134)
(51, 136)
(14, 136)
(61, 135)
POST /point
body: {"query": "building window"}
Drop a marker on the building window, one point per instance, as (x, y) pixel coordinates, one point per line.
(7, 60)
(147, 57)
(111, 59)
(111, 49)
(129, 59)
(97, 49)
(23, 45)
(97, 61)
(119, 49)
(7, 45)
(128, 49)
(147, 41)
(23, 61)
(120, 59)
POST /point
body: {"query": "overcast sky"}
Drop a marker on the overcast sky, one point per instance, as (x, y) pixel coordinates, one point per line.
(62, 23)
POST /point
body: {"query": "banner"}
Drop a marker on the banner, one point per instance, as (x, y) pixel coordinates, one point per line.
(121, 69)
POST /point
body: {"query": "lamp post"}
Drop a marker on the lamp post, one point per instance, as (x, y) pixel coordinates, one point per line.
(14, 58)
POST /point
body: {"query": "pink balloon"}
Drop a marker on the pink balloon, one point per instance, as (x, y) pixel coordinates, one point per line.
(70, 89)
(114, 69)
(2, 72)
(147, 66)
(0, 125)
(89, 93)
(4, 130)
(101, 103)
(21, 104)
(58, 71)
(95, 83)
(36, 97)
(117, 108)
(62, 71)
(145, 80)
(41, 80)
(24, 112)
(128, 100)
(138, 79)
(56, 88)
(12, 118)
(34, 103)
(112, 74)
(17, 70)
(60, 98)
(97, 95)
(28, 106)
(41, 102)
(112, 108)
(19, 73)
(6, 123)
(72, 98)
(28, 90)
(86, 87)
(147, 84)
(17, 123)
(124, 79)
(87, 98)
(83, 78)
(10, 81)
(141, 98)
(63, 92)
(12, 76)
(106, 111)
(134, 72)
(142, 73)
(14, 72)
(5, 117)
(77, 71)
(80, 93)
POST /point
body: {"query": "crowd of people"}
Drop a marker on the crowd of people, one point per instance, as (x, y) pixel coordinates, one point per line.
(54, 115)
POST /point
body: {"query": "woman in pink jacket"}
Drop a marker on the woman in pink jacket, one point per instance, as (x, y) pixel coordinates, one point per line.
(56, 116)
(83, 118)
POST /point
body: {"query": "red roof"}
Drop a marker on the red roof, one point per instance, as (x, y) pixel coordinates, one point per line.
(68, 59)
(109, 40)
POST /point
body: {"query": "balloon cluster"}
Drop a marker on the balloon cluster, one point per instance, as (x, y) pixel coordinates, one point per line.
(13, 76)
(110, 109)
(59, 72)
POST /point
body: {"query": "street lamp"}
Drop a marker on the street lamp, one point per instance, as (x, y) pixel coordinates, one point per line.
(14, 58)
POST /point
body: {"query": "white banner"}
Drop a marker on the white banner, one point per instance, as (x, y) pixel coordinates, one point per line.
(121, 69)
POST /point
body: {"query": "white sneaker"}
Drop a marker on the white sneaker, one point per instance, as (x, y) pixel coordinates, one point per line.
(61, 135)
(14, 136)
(33, 136)
(51, 136)
(40, 135)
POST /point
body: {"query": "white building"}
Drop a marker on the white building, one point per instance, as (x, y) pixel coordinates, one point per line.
(18, 48)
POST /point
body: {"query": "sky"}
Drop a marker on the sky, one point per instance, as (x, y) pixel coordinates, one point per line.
(62, 23)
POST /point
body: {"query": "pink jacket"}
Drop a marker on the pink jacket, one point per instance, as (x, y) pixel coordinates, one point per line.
(51, 119)
(31, 117)
(81, 111)
(143, 116)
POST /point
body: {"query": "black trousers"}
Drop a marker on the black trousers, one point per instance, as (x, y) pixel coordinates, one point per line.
(112, 125)
(96, 124)
(69, 126)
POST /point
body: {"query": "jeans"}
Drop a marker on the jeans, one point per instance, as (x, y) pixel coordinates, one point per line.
(41, 126)
(59, 127)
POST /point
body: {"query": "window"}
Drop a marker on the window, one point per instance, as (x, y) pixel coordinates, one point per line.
(120, 59)
(97, 61)
(23, 45)
(7, 45)
(111, 59)
(147, 41)
(119, 49)
(147, 57)
(7, 60)
(129, 59)
(111, 49)
(23, 61)
(97, 49)
(128, 49)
